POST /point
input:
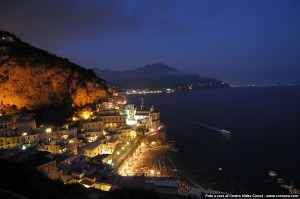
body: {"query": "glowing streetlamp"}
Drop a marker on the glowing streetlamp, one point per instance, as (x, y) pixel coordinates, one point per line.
(86, 115)
(152, 171)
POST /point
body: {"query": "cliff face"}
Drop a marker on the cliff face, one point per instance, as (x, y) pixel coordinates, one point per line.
(33, 78)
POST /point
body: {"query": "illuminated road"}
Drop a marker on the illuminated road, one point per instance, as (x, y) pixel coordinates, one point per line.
(148, 160)
(119, 154)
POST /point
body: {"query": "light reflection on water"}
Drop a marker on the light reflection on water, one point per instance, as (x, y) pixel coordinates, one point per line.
(263, 125)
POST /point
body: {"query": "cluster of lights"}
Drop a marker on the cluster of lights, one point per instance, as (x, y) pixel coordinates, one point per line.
(86, 115)
(74, 119)
(143, 91)
(48, 130)
(83, 115)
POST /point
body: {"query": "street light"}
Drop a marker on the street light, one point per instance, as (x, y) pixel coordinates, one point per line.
(152, 171)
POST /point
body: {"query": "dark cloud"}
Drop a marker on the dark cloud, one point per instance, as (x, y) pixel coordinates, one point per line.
(65, 19)
(213, 38)
(56, 19)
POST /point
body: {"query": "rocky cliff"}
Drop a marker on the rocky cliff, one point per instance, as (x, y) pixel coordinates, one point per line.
(33, 78)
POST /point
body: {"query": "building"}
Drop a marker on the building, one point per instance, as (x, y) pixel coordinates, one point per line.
(105, 105)
(125, 134)
(60, 146)
(5, 123)
(55, 146)
(66, 133)
(45, 134)
(103, 185)
(49, 168)
(17, 121)
(93, 149)
(92, 136)
(154, 118)
(112, 119)
(117, 99)
(44, 164)
(150, 118)
(29, 139)
(24, 121)
(130, 112)
(109, 146)
(18, 138)
(10, 139)
(93, 125)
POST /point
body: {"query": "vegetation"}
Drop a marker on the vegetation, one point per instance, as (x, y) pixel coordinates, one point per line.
(26, 55)
(24, 179)
(53, 115)
(44, 82)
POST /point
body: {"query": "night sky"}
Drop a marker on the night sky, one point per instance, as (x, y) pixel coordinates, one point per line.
(240, 42)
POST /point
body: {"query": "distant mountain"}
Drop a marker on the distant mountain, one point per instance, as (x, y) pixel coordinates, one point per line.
(158, 76)
(146, 71)
(32, 78)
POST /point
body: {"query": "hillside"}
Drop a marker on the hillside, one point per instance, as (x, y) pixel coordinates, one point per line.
(158, 76)
(33, 78)
(23, 178)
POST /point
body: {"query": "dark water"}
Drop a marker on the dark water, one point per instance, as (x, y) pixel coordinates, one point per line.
(265, 135)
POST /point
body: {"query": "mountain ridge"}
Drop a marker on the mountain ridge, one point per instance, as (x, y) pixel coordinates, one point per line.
(157, 76)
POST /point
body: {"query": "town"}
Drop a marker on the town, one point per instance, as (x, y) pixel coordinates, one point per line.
(113, 145)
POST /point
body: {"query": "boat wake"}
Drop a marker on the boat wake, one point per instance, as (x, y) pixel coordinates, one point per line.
(225, 132)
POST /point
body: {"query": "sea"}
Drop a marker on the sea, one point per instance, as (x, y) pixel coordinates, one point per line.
(264, 138)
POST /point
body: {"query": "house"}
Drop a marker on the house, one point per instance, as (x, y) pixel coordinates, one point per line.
(93, 149)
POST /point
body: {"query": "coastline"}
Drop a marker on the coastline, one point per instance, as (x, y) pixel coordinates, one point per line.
(193, 180)
(216, 108)
(183, 176)
(173, 158)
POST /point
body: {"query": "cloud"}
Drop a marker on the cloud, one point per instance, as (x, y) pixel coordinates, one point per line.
(118, 33)
(63, 19)
(79, 19)
(68, 19)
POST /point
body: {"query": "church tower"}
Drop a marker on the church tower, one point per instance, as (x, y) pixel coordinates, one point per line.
(143, 107)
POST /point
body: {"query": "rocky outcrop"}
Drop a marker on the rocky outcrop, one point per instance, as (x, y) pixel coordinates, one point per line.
(33, 78)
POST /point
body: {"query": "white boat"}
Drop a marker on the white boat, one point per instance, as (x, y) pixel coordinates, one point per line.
(224, 131)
